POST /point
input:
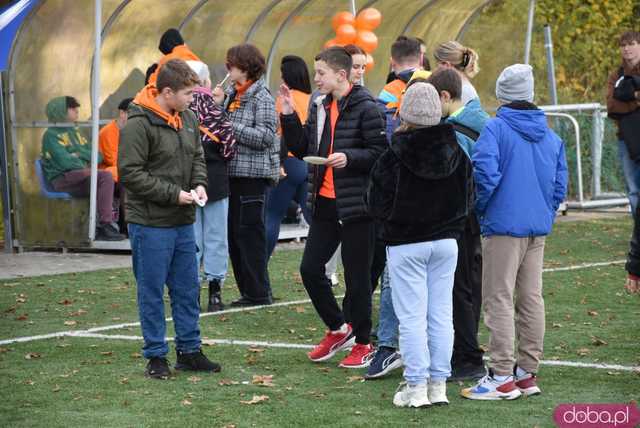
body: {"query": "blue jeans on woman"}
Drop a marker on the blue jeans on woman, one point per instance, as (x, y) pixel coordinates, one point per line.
(166, 255)
(292, 187)
(211, 238)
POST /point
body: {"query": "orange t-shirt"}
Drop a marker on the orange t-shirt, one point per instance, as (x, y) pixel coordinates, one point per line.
(328, 190)
(109, 139)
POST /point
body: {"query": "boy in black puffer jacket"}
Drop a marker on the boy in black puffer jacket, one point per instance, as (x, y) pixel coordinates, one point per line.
(347, 128)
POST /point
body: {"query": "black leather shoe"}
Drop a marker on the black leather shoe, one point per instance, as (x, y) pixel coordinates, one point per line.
(245, 302)
(158, 368)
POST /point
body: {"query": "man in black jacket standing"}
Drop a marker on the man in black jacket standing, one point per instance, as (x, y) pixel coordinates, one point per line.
(347, 129)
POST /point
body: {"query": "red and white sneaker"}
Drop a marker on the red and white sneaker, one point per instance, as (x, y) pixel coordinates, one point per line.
(332, 343)
(360, 357)
(527, 384)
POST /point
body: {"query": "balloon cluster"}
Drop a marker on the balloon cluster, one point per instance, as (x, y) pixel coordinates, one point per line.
(357, 30)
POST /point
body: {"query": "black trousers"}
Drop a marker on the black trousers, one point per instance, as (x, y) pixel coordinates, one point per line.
(467, 297)
(358, 239)
(248, 237)
(633, 258)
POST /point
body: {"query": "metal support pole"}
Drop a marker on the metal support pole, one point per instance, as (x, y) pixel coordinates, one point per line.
(353, 7)
(5, 185)
(95, 117)
(597, 134)
(527, 43)
(548, 46)
(576, 127)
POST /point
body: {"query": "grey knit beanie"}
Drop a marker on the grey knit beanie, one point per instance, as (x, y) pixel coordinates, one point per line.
(515, 83)
(421, 105)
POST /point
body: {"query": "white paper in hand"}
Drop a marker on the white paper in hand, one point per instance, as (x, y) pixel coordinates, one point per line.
(196, 198)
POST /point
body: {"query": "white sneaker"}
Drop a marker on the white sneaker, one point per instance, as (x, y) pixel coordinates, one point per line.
(334, 280)
(411, 396)
(437, 392)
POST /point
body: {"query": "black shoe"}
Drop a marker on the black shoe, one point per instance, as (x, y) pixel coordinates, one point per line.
(215, 300)
(106, 232)
(467, 372)
(158, 368)
(246, 302)
(196, 361)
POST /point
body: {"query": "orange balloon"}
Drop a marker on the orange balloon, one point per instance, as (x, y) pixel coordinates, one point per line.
(342, 18)
(368, 19)
(370, 63)
(330, 43)
(346, 34)
(367, 41)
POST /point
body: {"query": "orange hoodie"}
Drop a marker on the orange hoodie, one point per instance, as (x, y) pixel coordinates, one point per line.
(147, 99)
(179, 52)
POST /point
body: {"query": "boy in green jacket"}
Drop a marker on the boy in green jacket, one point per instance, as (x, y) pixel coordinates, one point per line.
(66, 160)
(160, 163)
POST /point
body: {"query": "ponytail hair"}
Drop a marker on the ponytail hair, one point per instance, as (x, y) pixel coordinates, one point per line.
(462, 58)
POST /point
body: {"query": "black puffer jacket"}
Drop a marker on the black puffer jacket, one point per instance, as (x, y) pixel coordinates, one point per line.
(359, 134)
(421, 186)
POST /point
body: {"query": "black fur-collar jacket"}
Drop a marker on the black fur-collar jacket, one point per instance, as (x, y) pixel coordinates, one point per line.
(420, 188)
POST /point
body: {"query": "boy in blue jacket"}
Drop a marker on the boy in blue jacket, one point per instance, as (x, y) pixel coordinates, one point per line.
(520, 175)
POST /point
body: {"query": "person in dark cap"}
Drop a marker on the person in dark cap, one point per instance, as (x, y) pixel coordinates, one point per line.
(172, 46)
(169, 40)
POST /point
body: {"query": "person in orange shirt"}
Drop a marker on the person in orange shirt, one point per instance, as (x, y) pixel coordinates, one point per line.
(347, 129)
(293, 184)
(109, 141)
(172, 46)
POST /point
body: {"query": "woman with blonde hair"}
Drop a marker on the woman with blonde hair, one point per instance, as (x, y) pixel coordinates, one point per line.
(464, 60)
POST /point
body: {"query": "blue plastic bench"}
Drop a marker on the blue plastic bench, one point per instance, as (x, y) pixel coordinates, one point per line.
(45, 188)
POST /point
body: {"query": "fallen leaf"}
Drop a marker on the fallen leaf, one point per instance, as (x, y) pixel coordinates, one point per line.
(136, 355)
(124, 380)
(256, 350)
(22, 317)
(256, 399)
(592, 313)
(107, 353)
(56, 388)
(194, 379)
(266, 380)
(227, 382)
(3, 350)
(32, 356)
(222, 318)
(354, 378)
(300, 309)
(77, 313)
(596, 341)
(186, 402)
(557, 325)
(29, 382)
(66, 301)
(71, 322)
(583, 351)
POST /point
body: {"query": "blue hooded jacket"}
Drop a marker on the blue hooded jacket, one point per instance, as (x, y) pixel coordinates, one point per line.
(520, 173)
(472, 116)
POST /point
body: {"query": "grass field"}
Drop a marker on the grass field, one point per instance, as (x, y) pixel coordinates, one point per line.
(86, 381)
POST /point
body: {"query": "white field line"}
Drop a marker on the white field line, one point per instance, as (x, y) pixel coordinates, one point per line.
(266, 344)
(235, 310)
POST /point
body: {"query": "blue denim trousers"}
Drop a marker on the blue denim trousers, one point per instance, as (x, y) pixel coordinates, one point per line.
(631, 172)
(211, 238)
(166, 256)
(422, 286)
(388, 321)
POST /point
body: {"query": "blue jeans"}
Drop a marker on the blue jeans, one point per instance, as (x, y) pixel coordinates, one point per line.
(388, 321)
(631, 171)
(422, 285)
(211, 238)
(166, 255)
(292, 187)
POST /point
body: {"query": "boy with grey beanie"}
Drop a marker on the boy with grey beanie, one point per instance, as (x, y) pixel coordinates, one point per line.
(520, 175)
(424, 163)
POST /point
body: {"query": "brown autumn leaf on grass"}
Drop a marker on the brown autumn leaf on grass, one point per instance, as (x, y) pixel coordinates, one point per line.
(596, 341)
(22, 317)
(32, 356)
(592, 313)
(266, 380)
(106, 353)
(194, 379)
(584, 351)
(256, 350)
(186, 402)
(300, 309)
(70, 323)
(66, 302)
(228, 382)
(256, 399)
(354, 378)
(136, 355)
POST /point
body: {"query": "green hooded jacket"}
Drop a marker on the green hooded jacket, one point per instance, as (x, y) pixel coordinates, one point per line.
(156, 162)
(63, 149)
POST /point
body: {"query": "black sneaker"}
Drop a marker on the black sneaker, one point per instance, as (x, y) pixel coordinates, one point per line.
(106, 232)
(158, 368)
(214, 304)
(384, 361)
(467, 372)
(196, 361)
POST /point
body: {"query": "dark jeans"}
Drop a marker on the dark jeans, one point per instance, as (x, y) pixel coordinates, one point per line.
(467, 297)
(247, 237)
(292, 187)
(166, 255)
(633, 258)
(78, 184)
(358, 239)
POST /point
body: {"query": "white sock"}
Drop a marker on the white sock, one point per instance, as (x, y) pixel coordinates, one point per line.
(342, 330)
(500, 378)
(520, 372)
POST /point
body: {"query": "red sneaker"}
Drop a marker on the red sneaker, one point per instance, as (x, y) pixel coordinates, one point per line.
(632, 284)
(527, 384)
(360, 356)
(332, 343)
